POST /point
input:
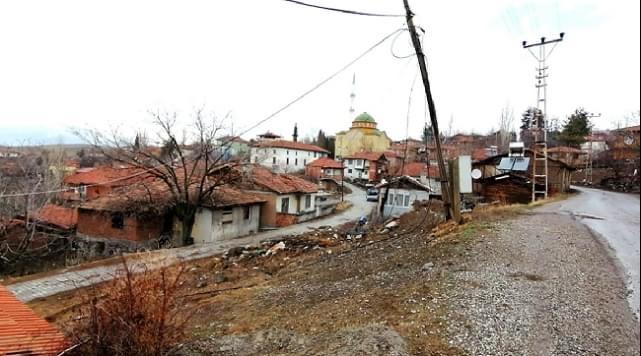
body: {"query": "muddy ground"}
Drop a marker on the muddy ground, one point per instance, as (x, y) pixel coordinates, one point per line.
(394, 291)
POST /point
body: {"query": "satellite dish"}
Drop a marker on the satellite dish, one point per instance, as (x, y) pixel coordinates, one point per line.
(628, 140)
(476, 173)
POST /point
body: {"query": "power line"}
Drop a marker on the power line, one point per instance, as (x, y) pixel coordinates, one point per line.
(269, 117)
(323, 82)
(345, 11)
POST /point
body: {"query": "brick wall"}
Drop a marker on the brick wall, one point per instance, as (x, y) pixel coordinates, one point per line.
(283, 220)
(94, 223)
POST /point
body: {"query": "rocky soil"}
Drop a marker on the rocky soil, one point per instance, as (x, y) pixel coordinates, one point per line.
(540, 285)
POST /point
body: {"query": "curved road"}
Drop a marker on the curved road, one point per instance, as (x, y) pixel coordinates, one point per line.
(69, 280)
(615, 218)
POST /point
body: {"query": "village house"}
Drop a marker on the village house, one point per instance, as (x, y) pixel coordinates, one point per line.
(324, 168)
(233, 147)
(91, 183)
(411, 150)
(570, 155)
(231, 213)
(366, 166)
(508, 179)
(428, 175)
(398, 196)
(288, 199)
(449, 152)
(285, 156)
(595, 143)
(133, 216)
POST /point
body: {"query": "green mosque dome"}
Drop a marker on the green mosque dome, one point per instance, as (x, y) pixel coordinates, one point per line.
(364, 117)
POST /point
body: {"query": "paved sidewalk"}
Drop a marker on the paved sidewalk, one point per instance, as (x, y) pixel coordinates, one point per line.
(66, 281)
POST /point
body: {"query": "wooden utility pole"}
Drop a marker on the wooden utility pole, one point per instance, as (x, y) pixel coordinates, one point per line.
(446, 193)
(456, 194)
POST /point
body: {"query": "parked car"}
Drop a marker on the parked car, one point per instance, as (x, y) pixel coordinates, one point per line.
(372, 194)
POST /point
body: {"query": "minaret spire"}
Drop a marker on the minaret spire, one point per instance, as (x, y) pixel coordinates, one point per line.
(352, 97)
(295, 135)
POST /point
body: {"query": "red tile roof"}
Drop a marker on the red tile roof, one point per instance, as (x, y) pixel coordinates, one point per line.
(369, 156)
(325, 162)
(103, 175)
(22, 332)
(229, 196)
(281, 183)
(417, 169)
(58, 216)
(155, 197)
(291, 145)
(479, 154)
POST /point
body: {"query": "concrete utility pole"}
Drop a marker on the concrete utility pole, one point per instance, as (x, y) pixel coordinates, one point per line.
(446, 193)
(538, 129)
(588, 162)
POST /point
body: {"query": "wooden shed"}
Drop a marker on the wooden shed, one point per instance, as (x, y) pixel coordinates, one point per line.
(559, 173)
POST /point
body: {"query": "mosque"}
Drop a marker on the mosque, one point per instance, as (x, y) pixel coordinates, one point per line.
(363, 136)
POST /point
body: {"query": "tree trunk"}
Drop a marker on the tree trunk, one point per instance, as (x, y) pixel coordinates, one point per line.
(187, 226)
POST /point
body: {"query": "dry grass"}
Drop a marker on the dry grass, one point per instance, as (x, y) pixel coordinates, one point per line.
(138, 313)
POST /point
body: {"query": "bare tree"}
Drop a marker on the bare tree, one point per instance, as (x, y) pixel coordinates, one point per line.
(506, 127)
(27, 184)
(189, 166)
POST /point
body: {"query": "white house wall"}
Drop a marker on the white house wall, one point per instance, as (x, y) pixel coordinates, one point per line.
(209, 227)
(294, 209)
(356, 168)
(394, 208)
(283, 160)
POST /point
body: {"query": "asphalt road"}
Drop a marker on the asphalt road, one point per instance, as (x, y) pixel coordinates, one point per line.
(69, 280)
(615, 218)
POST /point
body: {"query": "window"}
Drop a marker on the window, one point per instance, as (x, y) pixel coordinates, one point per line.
(349, 171)
(314, 154)
(406, 203)
(284, 205)
(118, 220)
(328, 172)
(228, 215)
(288, 161)
(308, 201)
(296, 162)
(390, 199)
(247, 212)
(398, 200)
(82, 190)
(304, 162)
(274, 151)
(273, 160)
(349, 162)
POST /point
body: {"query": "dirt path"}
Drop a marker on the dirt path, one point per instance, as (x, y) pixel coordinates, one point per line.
(540, 284)
(64, 281)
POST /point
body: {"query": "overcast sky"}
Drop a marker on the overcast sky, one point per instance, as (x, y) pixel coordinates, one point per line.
(66, 64)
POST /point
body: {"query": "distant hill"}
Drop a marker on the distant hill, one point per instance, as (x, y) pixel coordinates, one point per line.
(36, 136)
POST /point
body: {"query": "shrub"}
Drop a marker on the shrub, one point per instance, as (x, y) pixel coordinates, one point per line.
(137, 313)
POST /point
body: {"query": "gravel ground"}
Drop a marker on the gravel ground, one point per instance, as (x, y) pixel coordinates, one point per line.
(540, 284)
